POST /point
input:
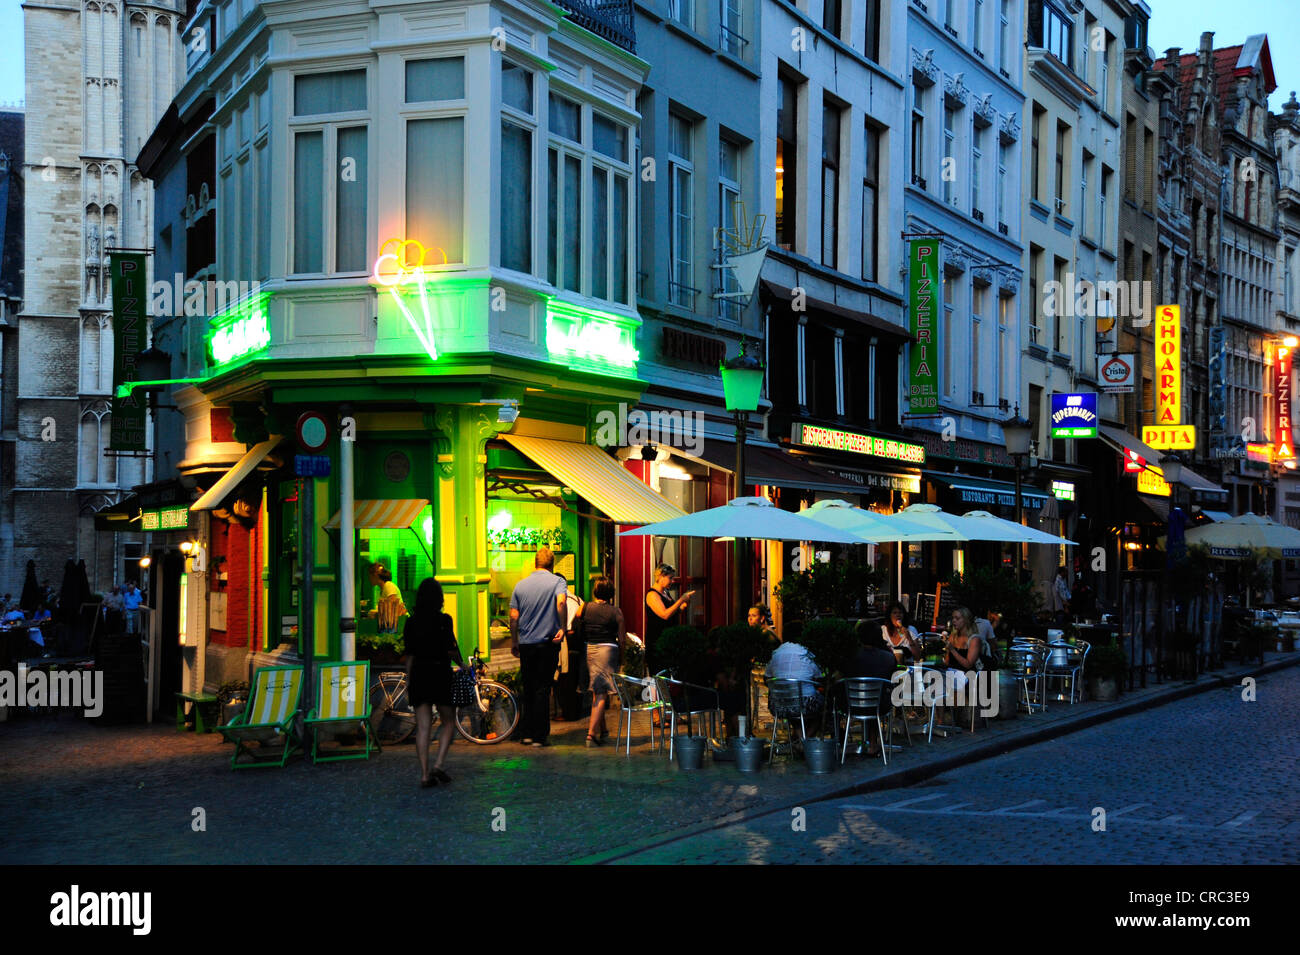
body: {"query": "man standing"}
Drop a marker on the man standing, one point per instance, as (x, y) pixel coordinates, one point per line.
(537, 610)
(1061, 598)
(131, 597)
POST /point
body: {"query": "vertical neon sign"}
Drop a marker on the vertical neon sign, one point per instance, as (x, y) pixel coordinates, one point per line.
(923, 284)
(1283, 448)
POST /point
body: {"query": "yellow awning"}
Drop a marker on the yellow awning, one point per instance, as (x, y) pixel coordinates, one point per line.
(599, 479)
(376, 514)
(230, 480)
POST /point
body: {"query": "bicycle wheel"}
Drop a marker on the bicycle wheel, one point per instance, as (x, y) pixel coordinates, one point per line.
(492, 718)
(391, 718)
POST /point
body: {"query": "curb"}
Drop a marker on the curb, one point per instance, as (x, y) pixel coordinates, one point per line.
(896, 779)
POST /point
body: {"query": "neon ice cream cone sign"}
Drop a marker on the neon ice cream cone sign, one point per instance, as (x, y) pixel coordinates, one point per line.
(401, 263)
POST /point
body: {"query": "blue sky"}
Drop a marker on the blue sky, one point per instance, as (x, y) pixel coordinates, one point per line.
(1173, 23)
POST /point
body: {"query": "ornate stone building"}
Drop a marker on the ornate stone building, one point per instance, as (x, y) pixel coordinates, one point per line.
(99, 74)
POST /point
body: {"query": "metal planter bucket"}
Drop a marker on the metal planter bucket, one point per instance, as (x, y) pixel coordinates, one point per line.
(820, 755)
(749, 753)
(689, 751)
(1008, 695)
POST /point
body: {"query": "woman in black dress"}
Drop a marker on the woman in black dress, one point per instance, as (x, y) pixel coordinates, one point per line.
(430, 648)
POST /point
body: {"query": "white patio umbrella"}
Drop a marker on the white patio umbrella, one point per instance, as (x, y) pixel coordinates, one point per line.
(1236, 537)
(755, 518)
(884, 527)
(976, 526)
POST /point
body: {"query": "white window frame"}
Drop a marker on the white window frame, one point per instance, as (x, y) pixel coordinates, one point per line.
(976, 161)
(729, 192)
(328, 124)
(681, 210)
(528, 122)
(949, 149)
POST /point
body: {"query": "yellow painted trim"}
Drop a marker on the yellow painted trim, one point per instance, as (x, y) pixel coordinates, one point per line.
(536, 428)
(322, 634)
(447, 519)
(484, 637)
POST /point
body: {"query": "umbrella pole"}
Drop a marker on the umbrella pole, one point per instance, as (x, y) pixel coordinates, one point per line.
(742, 543)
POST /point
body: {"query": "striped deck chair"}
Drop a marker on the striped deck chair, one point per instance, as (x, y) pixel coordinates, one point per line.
(342, 706)
(268, 720)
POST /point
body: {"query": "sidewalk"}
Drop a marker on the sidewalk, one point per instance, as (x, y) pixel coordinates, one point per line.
(81, 793)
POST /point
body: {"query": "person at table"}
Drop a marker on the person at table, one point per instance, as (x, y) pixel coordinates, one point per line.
(662, 614)
(792, 661)
(900, 635)
(13, 617)
(875, 658)
(962, 645)
(42, 616)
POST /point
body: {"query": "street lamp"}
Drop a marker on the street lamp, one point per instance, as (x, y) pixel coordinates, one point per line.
(1018, 434)
(742, 383)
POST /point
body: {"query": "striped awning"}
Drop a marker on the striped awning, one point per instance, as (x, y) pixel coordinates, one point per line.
(598, 479)
(376, 514)
(216, 495)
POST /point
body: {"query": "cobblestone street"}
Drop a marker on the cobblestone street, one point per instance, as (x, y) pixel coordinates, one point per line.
(1208, 778)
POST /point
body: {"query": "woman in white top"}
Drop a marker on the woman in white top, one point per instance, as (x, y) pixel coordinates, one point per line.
(900, 635)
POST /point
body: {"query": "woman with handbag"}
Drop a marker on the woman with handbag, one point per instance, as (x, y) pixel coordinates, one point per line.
(430, 647)
(601, 627)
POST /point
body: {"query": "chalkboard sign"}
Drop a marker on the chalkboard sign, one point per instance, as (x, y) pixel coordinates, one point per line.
(947, 603)
(922, 610)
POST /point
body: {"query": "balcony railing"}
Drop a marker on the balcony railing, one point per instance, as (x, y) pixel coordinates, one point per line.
(609, 19)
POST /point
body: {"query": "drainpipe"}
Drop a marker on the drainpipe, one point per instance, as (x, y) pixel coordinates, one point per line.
(347, 546)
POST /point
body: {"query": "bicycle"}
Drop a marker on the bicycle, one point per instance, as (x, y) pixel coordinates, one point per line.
(491, 718)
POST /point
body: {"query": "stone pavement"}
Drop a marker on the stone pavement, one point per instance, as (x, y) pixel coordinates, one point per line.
(81, 793)
(1208, 780)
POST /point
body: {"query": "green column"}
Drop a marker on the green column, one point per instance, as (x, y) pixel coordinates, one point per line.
(460, 516)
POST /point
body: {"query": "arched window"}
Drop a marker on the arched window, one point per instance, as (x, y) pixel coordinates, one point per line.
(94, 467)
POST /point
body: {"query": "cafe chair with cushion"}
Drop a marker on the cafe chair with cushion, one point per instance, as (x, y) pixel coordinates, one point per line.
(342, 709)
(635, 695)
(687, 701)
(1064, 662)
(1025, 663)
(790, 700)
(269, 719)
(863, 696)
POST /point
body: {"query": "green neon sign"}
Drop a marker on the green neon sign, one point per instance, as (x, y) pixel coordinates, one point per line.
(243, 331)
(600, 341)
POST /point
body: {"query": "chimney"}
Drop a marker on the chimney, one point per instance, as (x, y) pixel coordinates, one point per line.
(1172, 56)
(1207, 41)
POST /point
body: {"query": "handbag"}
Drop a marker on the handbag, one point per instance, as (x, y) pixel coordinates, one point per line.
(462, 688)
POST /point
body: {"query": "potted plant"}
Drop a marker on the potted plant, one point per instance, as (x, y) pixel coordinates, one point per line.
(232, 697)
(382, 648)
(736, 647)
(832, 642)
(839, 588)
(1105, 670)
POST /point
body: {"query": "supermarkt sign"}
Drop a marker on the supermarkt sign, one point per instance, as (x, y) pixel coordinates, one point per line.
(1074, 416)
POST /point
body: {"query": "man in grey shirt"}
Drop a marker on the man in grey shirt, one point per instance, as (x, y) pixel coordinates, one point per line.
(536, 629)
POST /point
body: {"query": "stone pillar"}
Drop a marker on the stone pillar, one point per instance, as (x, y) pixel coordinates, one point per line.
(460, 516)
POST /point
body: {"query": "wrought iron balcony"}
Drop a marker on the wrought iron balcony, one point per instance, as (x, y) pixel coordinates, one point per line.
(611, 20)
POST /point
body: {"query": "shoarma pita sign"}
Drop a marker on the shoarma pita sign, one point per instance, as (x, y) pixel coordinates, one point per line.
(1169, 372)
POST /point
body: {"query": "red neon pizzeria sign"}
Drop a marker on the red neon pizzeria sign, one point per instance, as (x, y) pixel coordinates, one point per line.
(1284, 447)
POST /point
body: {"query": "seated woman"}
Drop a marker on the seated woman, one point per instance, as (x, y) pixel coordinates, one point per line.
(962, 646)
(900, 635)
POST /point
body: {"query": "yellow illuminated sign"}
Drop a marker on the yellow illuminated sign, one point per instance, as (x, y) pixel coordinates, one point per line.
(1169, 372)
(1151, 481)
(1179, 438)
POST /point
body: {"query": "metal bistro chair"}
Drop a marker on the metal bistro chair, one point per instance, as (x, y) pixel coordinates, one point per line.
(1064, 662)
(686, 704)
(1026, 665)
(634, 697)
(862, 696)
(785, 700)
(911, 684)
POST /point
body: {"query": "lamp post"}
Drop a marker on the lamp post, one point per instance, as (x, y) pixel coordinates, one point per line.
(742, 383)
(1018, 434)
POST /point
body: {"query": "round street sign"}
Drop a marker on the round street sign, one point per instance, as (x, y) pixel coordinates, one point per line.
(314, 431)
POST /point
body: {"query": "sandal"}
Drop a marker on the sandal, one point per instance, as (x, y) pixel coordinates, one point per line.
(593, 741)
(427, 783)
(441, 776)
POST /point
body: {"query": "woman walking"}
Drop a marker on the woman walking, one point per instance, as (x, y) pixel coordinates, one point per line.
(600, 624)
(430, 648)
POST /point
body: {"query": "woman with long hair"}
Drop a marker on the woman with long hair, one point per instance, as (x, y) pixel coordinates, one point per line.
(430, 647)
(899, 633)
(962, 646)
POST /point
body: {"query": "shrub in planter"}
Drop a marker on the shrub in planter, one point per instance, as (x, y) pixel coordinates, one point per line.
(1106, 668)
(512, 680)
(831, 641)
(684, 650)
(386, 648)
